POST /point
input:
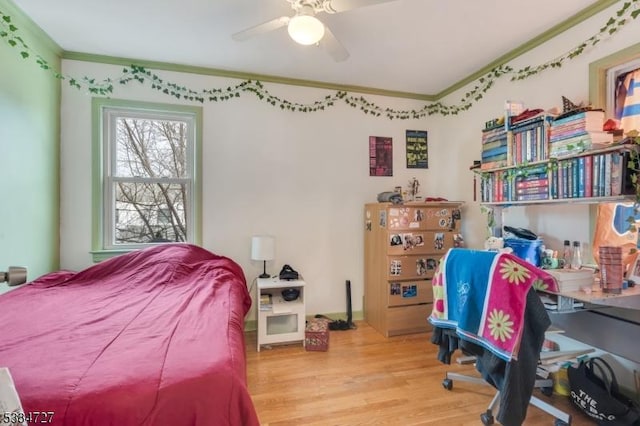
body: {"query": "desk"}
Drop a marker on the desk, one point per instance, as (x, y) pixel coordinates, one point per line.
(607, 321)
(629, 298)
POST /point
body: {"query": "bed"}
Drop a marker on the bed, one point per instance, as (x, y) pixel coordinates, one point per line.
(151, 337)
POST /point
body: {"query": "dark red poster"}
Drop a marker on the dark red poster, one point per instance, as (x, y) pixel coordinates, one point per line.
(380, 156)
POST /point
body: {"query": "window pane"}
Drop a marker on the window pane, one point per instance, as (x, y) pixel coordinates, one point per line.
(627, 107)
(151, 148)
(150, 212)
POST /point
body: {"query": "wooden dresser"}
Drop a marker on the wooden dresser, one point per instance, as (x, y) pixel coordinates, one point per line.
(402, 247)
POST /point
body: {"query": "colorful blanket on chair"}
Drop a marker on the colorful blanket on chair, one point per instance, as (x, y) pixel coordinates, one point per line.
(482, 295)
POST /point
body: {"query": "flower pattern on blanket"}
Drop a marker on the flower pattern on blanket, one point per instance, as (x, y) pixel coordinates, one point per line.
(482, 295)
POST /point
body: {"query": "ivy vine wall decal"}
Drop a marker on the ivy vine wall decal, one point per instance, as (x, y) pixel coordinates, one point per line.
(134, 73)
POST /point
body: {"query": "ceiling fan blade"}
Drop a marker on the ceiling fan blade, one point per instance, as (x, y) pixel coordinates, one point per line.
(265, 27)
(331, 44)
(336, 6)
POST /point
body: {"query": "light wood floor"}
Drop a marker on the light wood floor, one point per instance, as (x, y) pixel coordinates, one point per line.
(365, 378)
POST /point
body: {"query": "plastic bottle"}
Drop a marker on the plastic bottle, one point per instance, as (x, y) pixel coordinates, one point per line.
(566, 255)
(576, 258)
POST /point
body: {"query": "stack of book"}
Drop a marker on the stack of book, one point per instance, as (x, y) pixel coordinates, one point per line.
(494, 147)
(532, 184)
(577, 133)
(265, 302)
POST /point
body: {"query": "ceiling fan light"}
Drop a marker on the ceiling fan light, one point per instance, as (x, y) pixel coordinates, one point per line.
(305, 29)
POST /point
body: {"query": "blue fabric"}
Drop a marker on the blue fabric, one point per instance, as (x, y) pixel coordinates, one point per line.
(467, 275)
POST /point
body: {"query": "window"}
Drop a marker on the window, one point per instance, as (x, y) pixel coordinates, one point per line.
(607, 76)
(149, 181)
(623, 94)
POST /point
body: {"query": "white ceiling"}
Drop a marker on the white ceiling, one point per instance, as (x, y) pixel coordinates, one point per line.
(416, 46)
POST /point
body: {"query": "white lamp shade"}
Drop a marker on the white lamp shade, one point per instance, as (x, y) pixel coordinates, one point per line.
(305, 29)
(263, 247)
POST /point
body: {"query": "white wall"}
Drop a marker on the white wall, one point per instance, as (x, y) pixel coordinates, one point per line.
(304, 178)
(553, 223)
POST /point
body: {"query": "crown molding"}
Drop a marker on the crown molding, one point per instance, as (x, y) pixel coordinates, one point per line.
(166, 66)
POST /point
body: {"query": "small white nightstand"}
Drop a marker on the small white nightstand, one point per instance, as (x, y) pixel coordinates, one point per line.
(279, 321)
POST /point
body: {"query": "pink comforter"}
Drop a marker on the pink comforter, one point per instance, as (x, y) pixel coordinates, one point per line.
(152, 337)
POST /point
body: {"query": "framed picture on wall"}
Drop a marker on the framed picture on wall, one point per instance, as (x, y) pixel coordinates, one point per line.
(380, 156)
(417, 149)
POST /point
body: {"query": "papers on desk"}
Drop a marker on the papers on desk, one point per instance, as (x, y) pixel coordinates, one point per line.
(553, 361)
(552, 357)
(572, 279)
(551, 303)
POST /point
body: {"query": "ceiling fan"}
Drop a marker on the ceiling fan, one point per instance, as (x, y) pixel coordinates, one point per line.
(304, 28)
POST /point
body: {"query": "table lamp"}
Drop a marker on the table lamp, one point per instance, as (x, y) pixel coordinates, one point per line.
(263, 247)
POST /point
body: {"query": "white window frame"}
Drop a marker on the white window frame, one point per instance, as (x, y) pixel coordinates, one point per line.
(105, 114)
(612, 75)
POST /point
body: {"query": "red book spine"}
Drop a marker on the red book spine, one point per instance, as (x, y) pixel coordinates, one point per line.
(588, 171)
(532, 183)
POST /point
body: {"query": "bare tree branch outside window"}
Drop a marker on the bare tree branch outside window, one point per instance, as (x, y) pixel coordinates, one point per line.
(151, 180)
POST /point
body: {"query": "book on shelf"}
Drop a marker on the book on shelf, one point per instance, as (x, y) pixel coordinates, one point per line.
(570, 146)
(560, 136)
(607, 175)
(595, 176)
(601, 140)
(601, 174)
(617, 161)
(531, 170)
(578, 181)
(529, 117)
(536, 121)
(570, 127)
(542, 189)
(579, 177)
(500, 158)
(593, 119)
(534, 197)
(532, 183)
(588, 172)
(532, 176)
(564, 184)
(494, 144)
(493, 135)
(493, 152)
(488, 165)
(265, 302)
